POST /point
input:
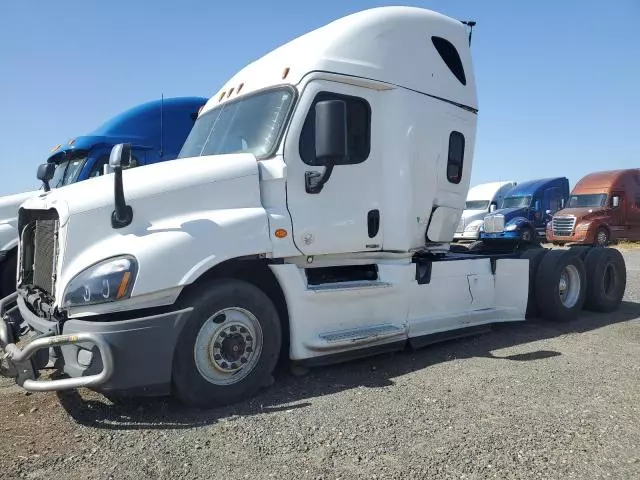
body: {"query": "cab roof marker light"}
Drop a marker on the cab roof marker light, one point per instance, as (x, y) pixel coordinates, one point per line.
(221, 96)
(285, 72)
(239, 88)
(230, 92)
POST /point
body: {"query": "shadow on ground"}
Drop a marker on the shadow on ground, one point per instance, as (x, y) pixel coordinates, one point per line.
(290, 392)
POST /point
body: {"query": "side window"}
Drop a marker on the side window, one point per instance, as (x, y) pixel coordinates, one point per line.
(554, 199)
(456, 157)
(450, 56)
(137, 159)
(358, 130)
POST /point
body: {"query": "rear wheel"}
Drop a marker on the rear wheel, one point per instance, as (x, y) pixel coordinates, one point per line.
(8, 275)
(560, 286)
(607, 279)
(602, 237)
(534, 256)
(229, 346)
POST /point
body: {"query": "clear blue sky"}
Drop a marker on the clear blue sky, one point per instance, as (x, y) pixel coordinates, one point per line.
(558, 81)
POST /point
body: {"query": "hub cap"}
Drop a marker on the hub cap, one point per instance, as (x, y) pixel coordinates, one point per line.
(228, 346)
(569, 286)
(602, 237)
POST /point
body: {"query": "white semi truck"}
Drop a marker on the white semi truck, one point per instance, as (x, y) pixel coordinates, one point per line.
(309, 215)
(481, 199)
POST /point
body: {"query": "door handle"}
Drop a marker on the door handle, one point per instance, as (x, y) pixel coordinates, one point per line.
(373, 222)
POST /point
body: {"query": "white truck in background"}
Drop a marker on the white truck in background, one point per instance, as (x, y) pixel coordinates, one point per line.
(481, 199)
(309, 215)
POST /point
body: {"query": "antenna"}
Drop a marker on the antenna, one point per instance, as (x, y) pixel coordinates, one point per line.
(161, 126)
(470, 24)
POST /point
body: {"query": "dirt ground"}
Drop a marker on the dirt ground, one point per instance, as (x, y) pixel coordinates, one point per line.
(528, 400)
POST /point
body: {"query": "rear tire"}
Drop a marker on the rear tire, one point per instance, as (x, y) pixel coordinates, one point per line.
(229, 347)
(8, 271)
(607, 279)
(534, 256)
(560, 286)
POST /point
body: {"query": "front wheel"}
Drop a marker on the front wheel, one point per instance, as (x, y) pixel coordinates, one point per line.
(229, 346)
(528, 235)
(602, 237)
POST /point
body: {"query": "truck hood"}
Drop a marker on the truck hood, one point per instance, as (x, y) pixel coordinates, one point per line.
(9, 204)
(511, 213)
(143, 182)
(583, 213)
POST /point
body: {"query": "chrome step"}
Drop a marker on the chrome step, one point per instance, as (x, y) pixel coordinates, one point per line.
(356, 336)
(354, 285)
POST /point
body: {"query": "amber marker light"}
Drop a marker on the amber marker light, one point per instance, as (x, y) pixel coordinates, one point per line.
(281, 233)
(285, 72)
(122, 288)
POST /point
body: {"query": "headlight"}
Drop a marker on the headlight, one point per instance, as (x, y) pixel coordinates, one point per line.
(107, 281)
(583, 226)
(511, 227)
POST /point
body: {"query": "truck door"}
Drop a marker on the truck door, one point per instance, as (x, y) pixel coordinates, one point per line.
(345, 215)
(552, 200)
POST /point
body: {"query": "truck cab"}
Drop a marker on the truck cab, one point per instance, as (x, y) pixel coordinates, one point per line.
(481, 199)
(309, 216)
(603, 207)
(525, 211)
(156, 129)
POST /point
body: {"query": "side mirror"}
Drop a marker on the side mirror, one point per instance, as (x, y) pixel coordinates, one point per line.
(122, 215)
(548, 212)
(331, 141)
(536, 206)
(492, 208)
(562, 203)
(615, 201)
(45, 174)
(120, 155)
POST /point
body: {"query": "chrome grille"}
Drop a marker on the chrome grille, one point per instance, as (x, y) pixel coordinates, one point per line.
(494, 223)
(563, 226)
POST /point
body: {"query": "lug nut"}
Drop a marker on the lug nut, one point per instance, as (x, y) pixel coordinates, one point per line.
(243, 360)
(224, 365)
(234, 366)
(233, 328)
(217, 357)
(249, 349)
(243, 330)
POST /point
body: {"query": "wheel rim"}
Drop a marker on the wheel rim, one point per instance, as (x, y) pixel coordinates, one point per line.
(569, 286)
(602, 237)
(228, 346)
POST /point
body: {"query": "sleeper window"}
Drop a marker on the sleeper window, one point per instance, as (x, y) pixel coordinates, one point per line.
(358, 130)
(456, 157)
(450, 56)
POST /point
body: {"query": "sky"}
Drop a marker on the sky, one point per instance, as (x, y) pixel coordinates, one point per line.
(558, 81)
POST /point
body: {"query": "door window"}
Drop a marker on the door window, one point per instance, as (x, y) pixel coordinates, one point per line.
(137, 159)
(358, 130)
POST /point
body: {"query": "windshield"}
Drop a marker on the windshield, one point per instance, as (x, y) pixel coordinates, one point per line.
(516, 202)
(592, 200)
(250, 125)
(476, 204)
(67, 172)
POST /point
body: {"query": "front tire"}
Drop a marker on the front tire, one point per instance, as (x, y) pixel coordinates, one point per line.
(602, 237)
(229, 346)
(8, 275)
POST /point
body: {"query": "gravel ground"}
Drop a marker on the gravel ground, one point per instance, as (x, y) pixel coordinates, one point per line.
(532, 400)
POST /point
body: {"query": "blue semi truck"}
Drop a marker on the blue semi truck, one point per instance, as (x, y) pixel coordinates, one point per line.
(156, 130)
(525, 211)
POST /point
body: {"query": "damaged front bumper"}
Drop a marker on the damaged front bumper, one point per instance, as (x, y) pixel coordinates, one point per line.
(104, 353)
(24, 363)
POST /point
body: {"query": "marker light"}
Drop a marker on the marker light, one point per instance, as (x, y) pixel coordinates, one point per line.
(230, 92)
(240, 87)
(285, 72)
(221, 96)
(281, 233)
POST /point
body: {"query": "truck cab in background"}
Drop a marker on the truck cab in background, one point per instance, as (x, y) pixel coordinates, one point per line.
(481, 199)
(156, 129)
(603, 207)
(525, 211)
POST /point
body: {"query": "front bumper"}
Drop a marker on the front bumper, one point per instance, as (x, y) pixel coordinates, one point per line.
(466, 235)
(577, 236)
(120, 355)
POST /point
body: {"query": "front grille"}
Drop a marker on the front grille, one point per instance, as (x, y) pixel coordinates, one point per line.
(494, 223)
(563, 226)
(39, 247)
